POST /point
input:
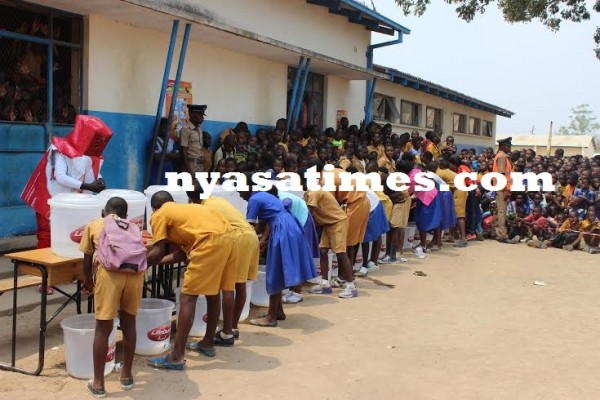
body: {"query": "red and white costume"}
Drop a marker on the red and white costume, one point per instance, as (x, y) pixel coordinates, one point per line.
(68, 163)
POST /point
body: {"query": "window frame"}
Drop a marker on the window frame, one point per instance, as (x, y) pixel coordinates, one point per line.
(477, 126)
(415, 113)
(314, 89)
(390, 113)
(436, 125)
(462, 123)
(484, 124)
(50, 42)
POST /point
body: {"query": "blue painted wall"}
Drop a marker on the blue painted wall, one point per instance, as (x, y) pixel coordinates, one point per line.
(22, 146)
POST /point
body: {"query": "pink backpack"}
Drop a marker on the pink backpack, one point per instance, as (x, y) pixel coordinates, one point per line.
(120, 248)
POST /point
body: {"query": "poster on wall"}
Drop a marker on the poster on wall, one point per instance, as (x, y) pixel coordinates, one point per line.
(339, 115)
(184, 98)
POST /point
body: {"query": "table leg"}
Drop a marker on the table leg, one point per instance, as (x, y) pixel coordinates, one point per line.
(78, 298)
(90, 304)
(43, 324)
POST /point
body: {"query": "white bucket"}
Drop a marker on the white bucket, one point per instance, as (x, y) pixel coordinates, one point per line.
(199, 325)
(409, 235)
(180, 196)
(78, 332)
(153, 324)
(69, 214)
(246, 310)
(136, 203)
(259, 296)
(232, 197)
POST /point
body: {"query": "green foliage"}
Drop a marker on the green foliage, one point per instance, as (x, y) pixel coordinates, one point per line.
(550, 12)
(582, 122)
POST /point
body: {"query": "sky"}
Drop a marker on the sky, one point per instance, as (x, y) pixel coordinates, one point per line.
(525, 68)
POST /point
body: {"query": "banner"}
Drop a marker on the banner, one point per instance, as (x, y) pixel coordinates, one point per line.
(184, 98)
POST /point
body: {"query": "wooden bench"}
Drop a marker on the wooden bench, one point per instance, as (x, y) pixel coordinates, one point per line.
(23, 281)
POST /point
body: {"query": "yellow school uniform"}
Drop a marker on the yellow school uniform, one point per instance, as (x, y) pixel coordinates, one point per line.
(380, 150)
(245, 237)
(113, 291)
(327, 212)
(434, 150)
(386, 163)
(205, 235)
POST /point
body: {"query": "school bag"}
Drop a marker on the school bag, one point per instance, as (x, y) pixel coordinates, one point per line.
(120, 248)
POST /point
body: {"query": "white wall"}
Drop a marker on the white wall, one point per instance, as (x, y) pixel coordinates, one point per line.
(292, 21)
(341, 94)
(400, 92)
(125, 66)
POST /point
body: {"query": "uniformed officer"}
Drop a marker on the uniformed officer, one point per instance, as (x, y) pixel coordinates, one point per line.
(191, 139)
(502, 165)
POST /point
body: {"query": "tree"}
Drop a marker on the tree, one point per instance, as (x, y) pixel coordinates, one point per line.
(582, 122)
(550, 12)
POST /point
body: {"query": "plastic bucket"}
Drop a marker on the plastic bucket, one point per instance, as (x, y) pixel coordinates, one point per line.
(153, 324)
(136, 203)
(199, 326)
(232, 197)
(259, 296)
(246, 310)
(69, 214)
(409, 235)
(78, 332)
(179, 196)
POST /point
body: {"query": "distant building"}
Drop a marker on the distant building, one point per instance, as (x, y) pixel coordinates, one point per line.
(571, 144)
(410, 103)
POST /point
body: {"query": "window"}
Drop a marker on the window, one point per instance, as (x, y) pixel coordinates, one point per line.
(410, 113)
(434, 118)
(311, 111)
(488, 128)
(474, 126)
(460, 123)
(384, 108)
(25, 65)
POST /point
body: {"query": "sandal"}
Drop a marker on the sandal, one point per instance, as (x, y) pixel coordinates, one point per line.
(220, 341)
(49, 290)
(164, 363)
(263, 322)
(279, 317)
(127, 383)
(195, 346)
(97, 393)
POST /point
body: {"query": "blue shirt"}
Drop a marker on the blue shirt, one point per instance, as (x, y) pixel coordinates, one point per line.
(299, 208)
(263, 206)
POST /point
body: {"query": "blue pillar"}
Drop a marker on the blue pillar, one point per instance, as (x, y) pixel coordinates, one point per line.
(302, 89)
(294, 95)
(161, 99)
(182, 53)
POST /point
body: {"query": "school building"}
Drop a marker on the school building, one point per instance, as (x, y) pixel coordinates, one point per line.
(253, 61)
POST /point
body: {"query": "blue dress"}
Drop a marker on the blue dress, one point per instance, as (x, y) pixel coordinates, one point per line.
(297, 206)
(377, 225)
(289, 262)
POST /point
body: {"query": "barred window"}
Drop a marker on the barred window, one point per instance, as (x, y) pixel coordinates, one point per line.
(41, 51)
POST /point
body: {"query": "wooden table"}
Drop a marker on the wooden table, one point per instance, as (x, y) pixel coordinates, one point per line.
(54, 271)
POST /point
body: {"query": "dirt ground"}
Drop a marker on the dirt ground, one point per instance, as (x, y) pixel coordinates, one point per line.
(476, 327)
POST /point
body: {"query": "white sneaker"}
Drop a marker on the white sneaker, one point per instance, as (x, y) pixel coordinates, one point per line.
(371, 266)
(386, 260)
(293, 298)
(349, 292)
(362, 272)
(323, 287)
(338, 283)
(315, 281)
(357, 267)
(418, 252)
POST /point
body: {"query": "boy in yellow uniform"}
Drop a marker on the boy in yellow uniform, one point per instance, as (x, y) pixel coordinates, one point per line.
(115, 294)
(331, 217)
(206, 241)
(247, 265)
